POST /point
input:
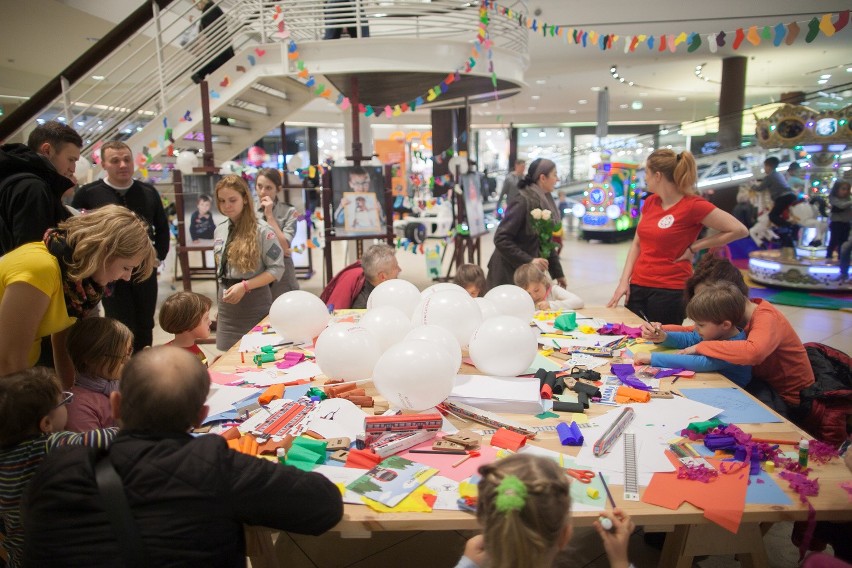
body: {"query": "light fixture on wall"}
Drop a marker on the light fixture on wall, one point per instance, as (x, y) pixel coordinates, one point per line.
(699, 73)
(561, 133)
(613, 71)
(524, 133)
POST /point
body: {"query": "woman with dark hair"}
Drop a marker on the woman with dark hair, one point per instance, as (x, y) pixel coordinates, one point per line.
(516, 241)
(282, 219)
(660, 260)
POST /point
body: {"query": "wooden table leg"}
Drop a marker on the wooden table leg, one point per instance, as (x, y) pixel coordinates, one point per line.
(260, 548)
(689, 541)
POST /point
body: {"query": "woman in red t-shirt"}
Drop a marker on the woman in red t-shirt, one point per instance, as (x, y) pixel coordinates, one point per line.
(660, 260)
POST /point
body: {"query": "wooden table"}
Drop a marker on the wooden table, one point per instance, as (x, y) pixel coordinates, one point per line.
(690, 533)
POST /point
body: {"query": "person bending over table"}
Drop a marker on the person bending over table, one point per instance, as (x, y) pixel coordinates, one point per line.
(249, 258)
(189, 496)
(660, 260)
(516, 241)
(46, 286)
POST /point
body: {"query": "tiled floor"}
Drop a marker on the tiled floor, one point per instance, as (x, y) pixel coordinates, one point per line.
(592, 270)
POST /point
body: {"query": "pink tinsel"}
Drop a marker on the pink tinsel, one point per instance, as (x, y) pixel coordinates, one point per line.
(821, 452)
(801, 484)
(698, 472)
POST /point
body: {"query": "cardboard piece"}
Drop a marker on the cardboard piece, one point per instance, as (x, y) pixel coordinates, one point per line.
(723, 500)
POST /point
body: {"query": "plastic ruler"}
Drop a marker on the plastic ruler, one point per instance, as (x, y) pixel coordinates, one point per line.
(490, 431)
(631, 475)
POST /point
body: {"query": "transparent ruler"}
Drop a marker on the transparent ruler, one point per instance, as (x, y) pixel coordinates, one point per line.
(631, 473)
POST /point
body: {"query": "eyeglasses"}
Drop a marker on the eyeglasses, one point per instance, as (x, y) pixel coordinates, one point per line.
(67, 397)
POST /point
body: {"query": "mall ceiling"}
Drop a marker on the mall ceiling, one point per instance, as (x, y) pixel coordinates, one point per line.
(562, 80)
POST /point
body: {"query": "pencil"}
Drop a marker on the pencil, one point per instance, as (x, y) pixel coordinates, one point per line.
(644, 317)
(606, 488)
(675, 379)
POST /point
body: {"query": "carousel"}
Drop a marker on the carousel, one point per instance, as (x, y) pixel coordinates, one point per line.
(819, 139)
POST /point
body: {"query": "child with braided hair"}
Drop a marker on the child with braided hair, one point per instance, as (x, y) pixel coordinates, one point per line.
(524, 508)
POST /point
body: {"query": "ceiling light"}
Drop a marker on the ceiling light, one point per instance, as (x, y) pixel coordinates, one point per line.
(636, 105)
(540, 81)
(822, 81)
(826, 76)
(849, 69)
(643, 94)
(524, 133)
(81, 123)
(572, 111)
(658, 109)
(664, 131)
(596, 89)
(631, 83)
(98, 77)
(681, 99)
(583, 101)
(542, 134)
(535, 97)
(622, 106)
(60, 118)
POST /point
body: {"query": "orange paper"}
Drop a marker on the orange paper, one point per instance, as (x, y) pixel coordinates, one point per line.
(274, 392)
(723, 499)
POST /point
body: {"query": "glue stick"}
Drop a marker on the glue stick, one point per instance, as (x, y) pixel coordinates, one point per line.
(606, 524)
(803, 453)
(281, 454)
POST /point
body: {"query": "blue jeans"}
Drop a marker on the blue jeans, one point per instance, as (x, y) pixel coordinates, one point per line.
(845, 253)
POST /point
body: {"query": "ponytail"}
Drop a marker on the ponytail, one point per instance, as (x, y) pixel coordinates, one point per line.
(539, 167)
(679, 169)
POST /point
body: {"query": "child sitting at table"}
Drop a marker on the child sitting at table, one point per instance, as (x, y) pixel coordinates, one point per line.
(187, 316)
(716, 311)
(99, 349)
(524, 508)
(33, 414)
(545, 294)
(472, 278)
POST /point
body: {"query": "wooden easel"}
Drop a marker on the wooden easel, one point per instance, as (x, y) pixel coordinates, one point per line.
(462, 243)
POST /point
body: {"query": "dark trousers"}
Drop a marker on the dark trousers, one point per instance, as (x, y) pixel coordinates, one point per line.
(658, 304)
(787, 234)
(839, 234)
(133, 304)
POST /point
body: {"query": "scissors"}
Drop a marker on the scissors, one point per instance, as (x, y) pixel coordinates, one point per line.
(581, 475)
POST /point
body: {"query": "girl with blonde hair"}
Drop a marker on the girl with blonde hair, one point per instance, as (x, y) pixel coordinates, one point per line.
(248, 258)
(660, 260)
(45, 286)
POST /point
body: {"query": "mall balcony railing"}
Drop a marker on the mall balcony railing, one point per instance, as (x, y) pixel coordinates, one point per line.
(136, 80)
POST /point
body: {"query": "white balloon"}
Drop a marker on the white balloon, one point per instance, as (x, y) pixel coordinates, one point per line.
(186, 161)
(456, 312)
(442, 337)
(441, 287)
(414, 374)
(387, 323)
(229, 167)
(298, 315)
(512, 300)
(345, 351)
(503, 346)
(487, 307)
(398, 293)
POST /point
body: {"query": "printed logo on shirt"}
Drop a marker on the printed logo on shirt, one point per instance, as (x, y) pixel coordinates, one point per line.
(666, 222)
(274, 252)
(270, 235)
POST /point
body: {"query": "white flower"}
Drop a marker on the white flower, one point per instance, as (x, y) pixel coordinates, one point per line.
(536, 213)
(545, 214)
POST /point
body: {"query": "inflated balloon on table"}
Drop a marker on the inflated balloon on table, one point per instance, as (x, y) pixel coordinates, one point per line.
(441, 287)
(487, 307)
(346, 351)
(414, 374)
(454, 311)
(298, 315)
(503, 346)
(398, 293)
(440, 336)
(388, 324)
(512, 301)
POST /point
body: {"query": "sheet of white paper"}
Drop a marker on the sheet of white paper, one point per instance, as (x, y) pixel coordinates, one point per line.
(260, 416)
(255, 340)
(496, 388)
(579, 339)
(304, 370)
(587, 361)
(336, 418)
(448, 493)
(343, 476)
(222, 397)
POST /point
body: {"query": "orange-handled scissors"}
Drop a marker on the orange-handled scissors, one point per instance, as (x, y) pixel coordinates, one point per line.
(581, 475)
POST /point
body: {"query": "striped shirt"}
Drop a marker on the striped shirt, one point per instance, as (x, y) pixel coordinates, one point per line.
(18, 463)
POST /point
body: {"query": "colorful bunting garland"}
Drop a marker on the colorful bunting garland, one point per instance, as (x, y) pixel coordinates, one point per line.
(778, 34)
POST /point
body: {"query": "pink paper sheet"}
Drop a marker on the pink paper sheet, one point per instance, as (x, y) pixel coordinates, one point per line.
(224, 378)
(444, 462)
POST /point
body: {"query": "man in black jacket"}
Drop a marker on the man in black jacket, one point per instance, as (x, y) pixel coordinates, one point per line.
(132, 303)
(33, 178)
(189, 497)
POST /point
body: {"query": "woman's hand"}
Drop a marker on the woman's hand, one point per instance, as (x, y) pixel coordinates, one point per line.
(622, 290)
(687, 255)
(267, 203)
(541, 264)
(615, 540)
(562, 281)
(234, 294)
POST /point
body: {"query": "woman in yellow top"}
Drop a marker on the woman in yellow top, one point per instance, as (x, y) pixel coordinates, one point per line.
(45, 286)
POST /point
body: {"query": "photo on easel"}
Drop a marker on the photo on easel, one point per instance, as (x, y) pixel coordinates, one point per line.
(473, 204)
(366, 181)
(361, 213)
(199, 208)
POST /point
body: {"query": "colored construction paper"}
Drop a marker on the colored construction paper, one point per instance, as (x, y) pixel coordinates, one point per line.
(722, 500)
(580, 499)
(547, 414)
(444, 462)
(541, 362)
(420, 501)
(763, 490)
(737, 407)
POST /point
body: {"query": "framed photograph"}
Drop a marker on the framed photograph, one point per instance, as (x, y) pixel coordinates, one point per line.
(366, 180)
(361, 213)
(473, 204)
(200, 213)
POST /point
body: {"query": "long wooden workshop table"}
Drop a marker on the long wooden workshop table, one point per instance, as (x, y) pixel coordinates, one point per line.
(690, 534)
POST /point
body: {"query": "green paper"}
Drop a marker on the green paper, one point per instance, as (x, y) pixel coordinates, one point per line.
(315, 446)
(566, 321)
(303, 465)
(703, 427)
(298, 453)
(541, 362)
(546, 414)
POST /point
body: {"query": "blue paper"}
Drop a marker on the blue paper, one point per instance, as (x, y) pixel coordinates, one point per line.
(737, 406)
(766, 493)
